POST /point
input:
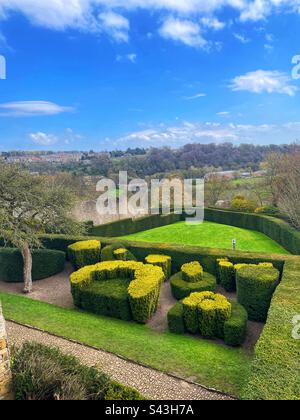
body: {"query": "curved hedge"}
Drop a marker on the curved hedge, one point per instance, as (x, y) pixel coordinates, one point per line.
(116, 252)
(130, 226)
(142, 295)
(277, 229)
(212, 316)
(182, 289)
(46, 263)
(162, 261)
(84, 253)
(255, 288)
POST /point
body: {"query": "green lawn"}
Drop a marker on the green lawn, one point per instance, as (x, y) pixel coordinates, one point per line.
(203, 361)
(210, 235)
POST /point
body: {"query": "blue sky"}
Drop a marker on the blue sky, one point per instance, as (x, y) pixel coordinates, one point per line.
(95, 74)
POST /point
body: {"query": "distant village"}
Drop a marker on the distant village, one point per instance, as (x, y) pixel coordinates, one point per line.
(61, 157)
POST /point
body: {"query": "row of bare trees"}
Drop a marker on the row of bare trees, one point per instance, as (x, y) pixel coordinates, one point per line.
(284, 182)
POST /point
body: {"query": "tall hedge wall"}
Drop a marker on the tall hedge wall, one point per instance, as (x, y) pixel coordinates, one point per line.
(131, 226)
(275, 372)
(277, 229)
(180, 254)
(46, 263)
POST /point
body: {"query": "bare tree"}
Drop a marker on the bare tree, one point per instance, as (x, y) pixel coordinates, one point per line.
(30, 206)
(288, 186)
(215, 187)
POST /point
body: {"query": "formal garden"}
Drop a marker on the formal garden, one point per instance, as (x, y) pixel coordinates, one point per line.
(221, 318)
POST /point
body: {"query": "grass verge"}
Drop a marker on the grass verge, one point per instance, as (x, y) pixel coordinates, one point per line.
(202, 361)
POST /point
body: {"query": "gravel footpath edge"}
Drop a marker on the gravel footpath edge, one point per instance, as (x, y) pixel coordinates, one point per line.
(194, 390)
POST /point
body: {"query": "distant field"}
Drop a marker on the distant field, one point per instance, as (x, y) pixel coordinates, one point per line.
(210, 235)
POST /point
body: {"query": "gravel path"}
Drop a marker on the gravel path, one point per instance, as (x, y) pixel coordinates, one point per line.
(55, 290)
(151, 383)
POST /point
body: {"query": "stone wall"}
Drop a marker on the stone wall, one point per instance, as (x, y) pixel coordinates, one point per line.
(5, 373)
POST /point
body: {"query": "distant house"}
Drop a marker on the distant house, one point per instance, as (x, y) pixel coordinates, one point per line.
(222, 204)
(246, 175)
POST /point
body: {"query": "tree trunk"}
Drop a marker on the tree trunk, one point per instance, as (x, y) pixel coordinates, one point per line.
(27, 259)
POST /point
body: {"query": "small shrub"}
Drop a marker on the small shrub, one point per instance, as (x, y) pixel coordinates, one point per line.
(241, 204)
(107, 253)
(268, 210)
(162, 261)
(235, 328)
(192, 272)
(255, 288)
(45, 374)
(227, 276)
(182, 289)
(175, 319)
(122, 254)
(84, 253)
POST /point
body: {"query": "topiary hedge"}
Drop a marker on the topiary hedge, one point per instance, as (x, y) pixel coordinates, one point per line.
(46, 263)
(130, 226)
(175, 319)
(213, 311)
(275, 371)
(182, 289)
(227, 275)
(255, 288)
(84, 253)
(210, 315)
(162, 261)
(139, 297)
(116, 252)
(235, 328)
(206, 313)
(192, 272)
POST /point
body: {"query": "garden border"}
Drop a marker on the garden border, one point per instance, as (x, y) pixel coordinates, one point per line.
(271, 370)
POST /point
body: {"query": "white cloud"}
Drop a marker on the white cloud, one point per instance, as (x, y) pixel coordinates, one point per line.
(32, 109)
(223, 114)
(211, 133)
(242, 38)
(117, 26)
(128, 57)
(261, 81)
(103, 16)
(257, 10)
(184, 31)
(68, 137)
(213, 23)
(197, 96)
(43, 139)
